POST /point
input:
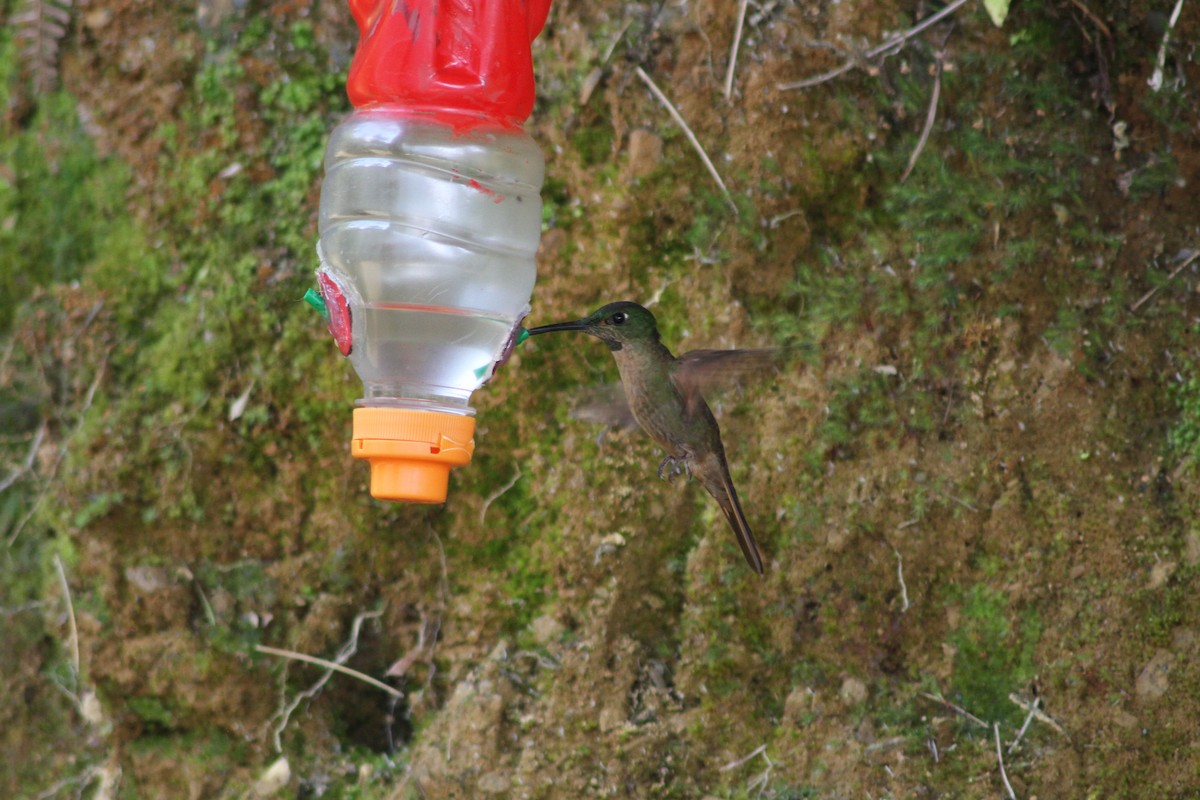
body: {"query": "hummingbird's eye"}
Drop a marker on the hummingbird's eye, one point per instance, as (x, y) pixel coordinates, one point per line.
(619, 318)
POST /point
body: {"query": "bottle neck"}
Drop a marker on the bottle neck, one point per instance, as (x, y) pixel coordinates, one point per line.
(459, 120)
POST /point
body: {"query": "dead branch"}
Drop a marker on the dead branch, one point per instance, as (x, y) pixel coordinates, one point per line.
(72, 627)
(900, 575)
(89, 398)
(1024, 725)
(931, 115)
(1039, 715)
(733, 51)
(743, 760)
(687, 131)
(1156, 79)
(1188, 256)
(347, 650)
(956, 709)
(889, 47)
(496, 495)
(1000, 758)
(30, 457)
(1099, 23)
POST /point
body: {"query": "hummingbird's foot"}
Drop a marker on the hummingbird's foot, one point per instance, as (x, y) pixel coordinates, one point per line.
(673, 466)
(662, 467)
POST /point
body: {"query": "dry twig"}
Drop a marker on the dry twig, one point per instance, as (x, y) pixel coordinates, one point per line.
(1188, 256)
(332, 666)
(431, 626)
(903, 587)
(733, 51)
(30, 457)
(743, 760)
(88, 399)
(1000, 758)
(1025, 725)
(1156, 79)
(931, 115)
(687, 131)
(956, 709)
(760, 782)
(82, 781)
(1099, 23)
(496, 495)
(593, 78)
(1039, 715)
(423, 651)
(72, 627)
(887, 48)
(347, 650)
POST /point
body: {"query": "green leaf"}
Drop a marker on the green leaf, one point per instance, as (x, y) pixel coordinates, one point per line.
(997, 10)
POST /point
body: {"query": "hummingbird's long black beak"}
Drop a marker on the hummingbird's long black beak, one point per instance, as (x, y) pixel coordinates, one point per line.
(577, 325)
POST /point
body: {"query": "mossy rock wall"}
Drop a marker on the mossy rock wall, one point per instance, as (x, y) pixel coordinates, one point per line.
(972, 479)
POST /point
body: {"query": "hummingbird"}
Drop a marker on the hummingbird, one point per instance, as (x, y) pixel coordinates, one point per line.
(664, 396)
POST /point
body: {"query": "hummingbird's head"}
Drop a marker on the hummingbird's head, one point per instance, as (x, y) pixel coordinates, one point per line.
(614, 324)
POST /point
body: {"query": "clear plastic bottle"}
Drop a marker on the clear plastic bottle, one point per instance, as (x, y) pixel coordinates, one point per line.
(430, 231)
(429, 223)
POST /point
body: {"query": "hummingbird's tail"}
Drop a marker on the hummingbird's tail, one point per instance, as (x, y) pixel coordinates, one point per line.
(718, 483)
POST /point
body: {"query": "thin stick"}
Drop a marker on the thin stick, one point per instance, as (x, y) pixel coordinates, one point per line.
(30, 457)
(1156, 80)
(956, 709)
(616, 40)
(1192, 255)
(1087, 12)
(763, 778)
(497, 494)
(330, 665)
(743, 760)
(82, 780)
(886, 744)
(662, 98)
(958, 500)
(929, 116)
(66, 590)
(1000, 757)
(901, 38)
(1039, 715)
(900, 574)
(883, 49)
(733, 51)
(284, 714)
(1025, 725)
(817, 79)
(431, 626)
(62, 452)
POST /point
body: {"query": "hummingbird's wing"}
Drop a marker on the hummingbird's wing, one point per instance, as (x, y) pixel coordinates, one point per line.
(700, 372)
(712, 369)
(606, 405)
(697, 373)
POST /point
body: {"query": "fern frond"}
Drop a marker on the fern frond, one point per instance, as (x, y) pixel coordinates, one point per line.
(40, 26)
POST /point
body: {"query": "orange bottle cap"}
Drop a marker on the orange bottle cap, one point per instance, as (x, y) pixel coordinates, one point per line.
(411, 452)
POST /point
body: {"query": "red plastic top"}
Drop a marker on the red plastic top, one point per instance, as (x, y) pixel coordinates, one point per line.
(468, 55)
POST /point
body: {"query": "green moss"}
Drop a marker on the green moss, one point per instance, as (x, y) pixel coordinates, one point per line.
(864, 412)
(509, 546)
(210, 751)
(61, 203)
(1183, 437)
(153, 712)
(594, 143)
(994, 654)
